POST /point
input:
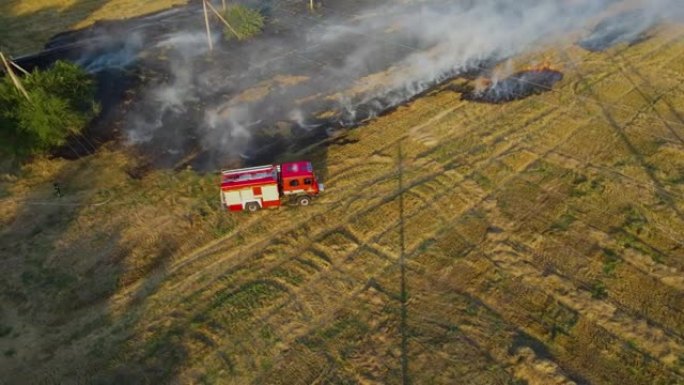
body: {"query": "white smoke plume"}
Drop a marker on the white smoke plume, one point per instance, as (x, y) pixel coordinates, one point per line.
(356, 62)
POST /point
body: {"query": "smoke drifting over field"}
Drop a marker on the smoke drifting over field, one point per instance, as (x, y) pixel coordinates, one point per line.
(339, 69)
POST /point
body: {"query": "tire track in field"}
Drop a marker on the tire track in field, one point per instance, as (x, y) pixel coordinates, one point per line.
(668, 330)
(216, 246)
(510, 260)
(620, 131)
(666, 45)
(351, 199)
(386, 200)
(656, 342)
(650, 340)
(324, 319)
(212, 246)
(538, 211)
(394, 225)
(428, 180)
(570, 288)
(532, 161)
(627, 68)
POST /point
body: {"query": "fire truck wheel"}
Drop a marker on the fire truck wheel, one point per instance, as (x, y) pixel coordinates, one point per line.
(252, 206)
(304, 201)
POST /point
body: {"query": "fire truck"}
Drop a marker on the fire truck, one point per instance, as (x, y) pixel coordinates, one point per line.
(254, 188)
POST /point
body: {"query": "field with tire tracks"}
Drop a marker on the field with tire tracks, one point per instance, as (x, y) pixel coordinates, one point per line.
(539, 241)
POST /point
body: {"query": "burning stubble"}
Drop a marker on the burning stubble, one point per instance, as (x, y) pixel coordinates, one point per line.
(513, 85)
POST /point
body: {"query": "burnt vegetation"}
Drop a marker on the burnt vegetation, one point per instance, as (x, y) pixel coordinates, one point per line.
(629, 27)
(518, 86)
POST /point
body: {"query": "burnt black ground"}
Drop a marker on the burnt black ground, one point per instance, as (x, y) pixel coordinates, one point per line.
(517, 86)
(628, 27)
(132, 61)
(176, 104)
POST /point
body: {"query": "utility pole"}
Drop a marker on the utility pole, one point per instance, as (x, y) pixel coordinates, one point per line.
(17, 66)
(230, 27)
(206, 22)
(15, 79)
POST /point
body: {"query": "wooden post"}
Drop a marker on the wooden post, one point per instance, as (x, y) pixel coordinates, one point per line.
(224, 5)
(230, 27)
(206, 22)
(17, 66)
(311, 5)
(15, 80)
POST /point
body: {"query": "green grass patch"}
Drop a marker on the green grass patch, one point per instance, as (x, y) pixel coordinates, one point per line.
(563, 222)
(634, 220)
(346, 328)
(628, 240)
(482, 181)
(579, 179)
(346, 325)
(223, 225)
(559, 319)
(582, 186)
(677, 179)
(598, 290)
(245, 22)
(472, 309)
(611, 260)
(241, 303)
(288, 276)
(542, 168)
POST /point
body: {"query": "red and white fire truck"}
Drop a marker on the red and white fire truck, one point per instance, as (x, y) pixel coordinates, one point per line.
(259, 187)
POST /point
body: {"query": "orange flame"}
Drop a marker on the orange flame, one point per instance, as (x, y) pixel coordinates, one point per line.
(482, 83)
(545, 65)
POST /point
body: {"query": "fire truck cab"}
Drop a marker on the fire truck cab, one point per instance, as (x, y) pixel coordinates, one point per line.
(254, 188)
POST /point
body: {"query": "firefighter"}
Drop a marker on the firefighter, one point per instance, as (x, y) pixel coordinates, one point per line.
(58, 190)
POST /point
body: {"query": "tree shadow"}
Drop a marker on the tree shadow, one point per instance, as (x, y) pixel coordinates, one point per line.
(64, 264)
(92, 341)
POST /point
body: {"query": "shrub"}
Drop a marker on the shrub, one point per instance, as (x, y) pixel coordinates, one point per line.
(247, 22)
(62, 102)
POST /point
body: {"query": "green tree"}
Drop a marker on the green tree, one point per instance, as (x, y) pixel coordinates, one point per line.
(62, 102)
(247, 22)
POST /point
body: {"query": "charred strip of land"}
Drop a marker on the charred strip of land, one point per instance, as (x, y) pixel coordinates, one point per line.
(629, 27)
(515, 87)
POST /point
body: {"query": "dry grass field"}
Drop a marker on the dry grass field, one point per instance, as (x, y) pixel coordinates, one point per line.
(26, 25)
(534, 242)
